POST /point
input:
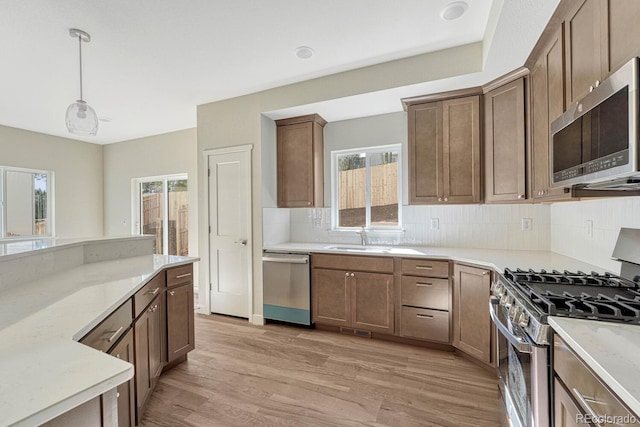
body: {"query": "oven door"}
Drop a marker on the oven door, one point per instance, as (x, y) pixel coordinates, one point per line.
(522, 371)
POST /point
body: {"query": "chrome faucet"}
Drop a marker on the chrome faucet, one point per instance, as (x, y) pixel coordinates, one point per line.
(364, 239)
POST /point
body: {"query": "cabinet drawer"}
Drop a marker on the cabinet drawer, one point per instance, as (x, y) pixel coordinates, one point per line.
(425, 267)
(353, 263)
(180, 275)
(425, 292)
(425, 324)
(144, 296)
(583, 385)
(105, 335)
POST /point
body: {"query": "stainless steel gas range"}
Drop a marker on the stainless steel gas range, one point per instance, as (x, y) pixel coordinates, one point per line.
(520, 304)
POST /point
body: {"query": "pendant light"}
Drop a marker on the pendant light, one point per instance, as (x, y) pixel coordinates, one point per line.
(81, 119)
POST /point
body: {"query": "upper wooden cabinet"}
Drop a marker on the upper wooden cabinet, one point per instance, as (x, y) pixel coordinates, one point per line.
(300, 162)
(444, 150)
(601, 35)
(504, 142)
(547, 102)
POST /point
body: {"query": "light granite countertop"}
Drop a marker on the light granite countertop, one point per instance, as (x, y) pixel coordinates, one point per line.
(610, 349)
(44, 371)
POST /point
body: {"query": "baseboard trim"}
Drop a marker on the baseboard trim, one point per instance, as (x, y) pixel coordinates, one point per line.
(257, 319)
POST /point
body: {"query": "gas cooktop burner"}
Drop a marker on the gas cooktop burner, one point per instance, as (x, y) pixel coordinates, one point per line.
(593, 296)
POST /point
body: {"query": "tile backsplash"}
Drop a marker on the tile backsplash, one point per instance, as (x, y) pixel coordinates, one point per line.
(470, 226)
(587, 230)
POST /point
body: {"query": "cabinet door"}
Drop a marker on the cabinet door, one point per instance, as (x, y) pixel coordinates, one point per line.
(149, 350)
(565, 411)
(505, 143)
(295, 165)
(331, 297)
(471, 321)
(461, 150)
(547, 104)
(620, 33)
(180, 322)
(425, 153)
(126, 392)
(583, 55)
(372, 302)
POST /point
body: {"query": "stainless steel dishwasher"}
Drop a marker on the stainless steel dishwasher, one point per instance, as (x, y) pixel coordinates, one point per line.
(286, 287)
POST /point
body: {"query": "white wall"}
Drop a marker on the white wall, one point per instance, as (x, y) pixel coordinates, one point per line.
(570, 229)
(77, 168)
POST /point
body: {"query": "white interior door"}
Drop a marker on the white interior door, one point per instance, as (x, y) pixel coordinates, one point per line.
(230, 232)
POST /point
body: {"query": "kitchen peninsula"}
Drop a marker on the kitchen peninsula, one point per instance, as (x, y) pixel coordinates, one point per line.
(52, 294)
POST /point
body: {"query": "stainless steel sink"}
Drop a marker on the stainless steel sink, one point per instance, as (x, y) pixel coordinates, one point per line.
(367, 249)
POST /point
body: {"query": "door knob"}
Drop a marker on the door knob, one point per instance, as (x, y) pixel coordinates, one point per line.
(242, 242)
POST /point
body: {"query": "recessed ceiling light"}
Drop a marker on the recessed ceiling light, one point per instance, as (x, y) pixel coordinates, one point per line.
(304, 52)
(454, 10)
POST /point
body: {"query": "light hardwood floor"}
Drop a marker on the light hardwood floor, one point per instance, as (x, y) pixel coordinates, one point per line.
(278, 375)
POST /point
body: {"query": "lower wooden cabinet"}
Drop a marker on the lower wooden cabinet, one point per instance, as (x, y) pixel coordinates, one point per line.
(351, 298)
(149, 330)
(125, 392)
(471, 321)
(180, 322)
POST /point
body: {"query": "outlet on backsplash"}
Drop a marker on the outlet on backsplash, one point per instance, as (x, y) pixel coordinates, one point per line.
(435, 223)
(590, 228)
(527, 224)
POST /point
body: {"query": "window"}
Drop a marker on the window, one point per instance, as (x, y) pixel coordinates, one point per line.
(26, 198)
(161, 208)
(366, 188)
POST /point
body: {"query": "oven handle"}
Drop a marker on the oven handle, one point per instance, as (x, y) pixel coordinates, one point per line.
(517, 342)
(287, 260)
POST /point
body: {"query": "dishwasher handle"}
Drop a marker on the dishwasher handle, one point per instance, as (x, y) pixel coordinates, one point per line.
(287, 260)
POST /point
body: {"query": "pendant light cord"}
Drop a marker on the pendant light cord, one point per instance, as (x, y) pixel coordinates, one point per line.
(80, 50)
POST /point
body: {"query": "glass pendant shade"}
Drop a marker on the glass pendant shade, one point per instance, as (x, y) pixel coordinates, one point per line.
(81, 119)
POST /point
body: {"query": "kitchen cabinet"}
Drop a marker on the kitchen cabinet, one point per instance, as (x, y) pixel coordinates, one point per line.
(300, 161)
(582, 41)
(504, 119)
(125, 391)
(180, 321)
(547, 103)
(579, 395)
(353, 292)
(600, 37)
(444, 150)
(425, 300)
(471, 321)
(150, 350)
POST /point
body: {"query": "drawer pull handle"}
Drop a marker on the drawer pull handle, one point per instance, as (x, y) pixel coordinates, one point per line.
(153, 292)
(424, 267)
(424, 285)
(584, 401)
(115, 334)
(180, 276)
(424, 316)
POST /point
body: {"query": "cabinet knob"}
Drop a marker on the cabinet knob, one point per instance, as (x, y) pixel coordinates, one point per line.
(172, 293)
(346, 274)
(590, 89)
(118, 395)
(353, 274)
(446, 199)
(484, 273)
(308, 203)
(520, 196)
(597, 83)
(439, 199)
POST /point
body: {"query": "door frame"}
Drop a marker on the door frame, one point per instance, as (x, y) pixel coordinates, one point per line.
(246, 150)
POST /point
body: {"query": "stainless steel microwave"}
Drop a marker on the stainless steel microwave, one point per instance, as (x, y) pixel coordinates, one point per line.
(596, 140)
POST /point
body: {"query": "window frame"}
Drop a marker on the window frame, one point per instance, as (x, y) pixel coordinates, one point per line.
(136, 202)
(368, 151)
(50, 204)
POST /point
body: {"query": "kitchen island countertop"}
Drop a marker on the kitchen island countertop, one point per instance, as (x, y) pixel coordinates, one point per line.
(45, 371)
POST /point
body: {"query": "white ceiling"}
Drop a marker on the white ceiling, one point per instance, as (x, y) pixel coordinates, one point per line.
(151, 62)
